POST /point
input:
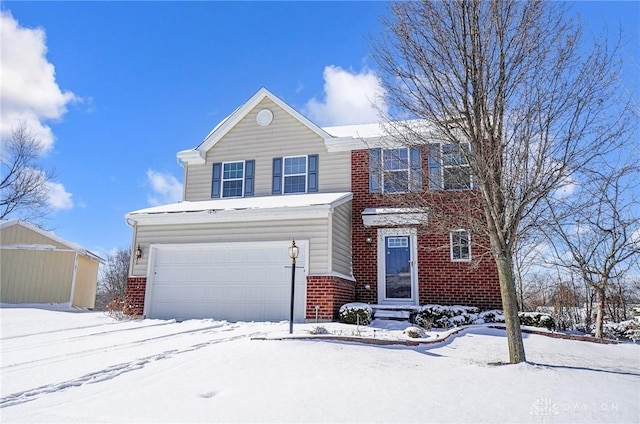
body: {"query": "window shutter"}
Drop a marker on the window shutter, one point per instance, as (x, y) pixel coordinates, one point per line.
(217, 179)
(276, 181)
(375, 177)
(435, 160)
(416, 169)
(312, 174)
(249, 167)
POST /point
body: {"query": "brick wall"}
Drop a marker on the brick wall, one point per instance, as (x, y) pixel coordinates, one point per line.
(329, 293)
(136, 287)
(439, 280)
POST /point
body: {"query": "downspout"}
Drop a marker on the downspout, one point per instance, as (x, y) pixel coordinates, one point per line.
(73, 278)
(134, 226)
(330, 240)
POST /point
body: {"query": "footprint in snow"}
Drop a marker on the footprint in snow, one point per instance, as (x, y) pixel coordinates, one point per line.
(207, 395)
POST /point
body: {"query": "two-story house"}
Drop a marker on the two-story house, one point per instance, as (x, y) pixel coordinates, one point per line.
(267, 175)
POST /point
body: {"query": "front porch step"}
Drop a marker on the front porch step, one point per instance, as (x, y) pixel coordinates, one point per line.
(394, 312)
(389, 314)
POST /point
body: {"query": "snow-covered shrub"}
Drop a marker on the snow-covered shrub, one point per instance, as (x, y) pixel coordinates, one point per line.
(440, 316)
(318, 329)
(355, 313)
(414, 332)
(492, 315)
(622, 330)
(537, 319)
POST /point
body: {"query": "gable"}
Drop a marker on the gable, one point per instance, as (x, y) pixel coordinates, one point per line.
(285, 135)
(23, 235)
(239, 114)
(260, 143)
(17, 233)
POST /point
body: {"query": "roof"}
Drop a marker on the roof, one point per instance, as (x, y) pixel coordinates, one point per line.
(263, 208)
(71, 246)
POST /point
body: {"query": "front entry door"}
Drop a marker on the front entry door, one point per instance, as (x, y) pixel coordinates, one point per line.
(397, 271)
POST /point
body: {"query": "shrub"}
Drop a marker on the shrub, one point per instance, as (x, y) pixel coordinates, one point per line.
(537, 319)
(445, 316)
(355, 313)
(414, 332)
(623, 330)
(318, 329)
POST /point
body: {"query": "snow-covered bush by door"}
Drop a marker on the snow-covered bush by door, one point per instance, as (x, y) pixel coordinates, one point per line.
(440, 316)
(445, 316)
(355, 313)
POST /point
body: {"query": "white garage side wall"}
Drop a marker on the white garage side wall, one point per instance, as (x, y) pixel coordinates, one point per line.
(341, 236)
(313, 230)
(285, 136)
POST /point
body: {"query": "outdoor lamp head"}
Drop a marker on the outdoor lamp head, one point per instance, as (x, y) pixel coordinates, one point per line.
(293, 250)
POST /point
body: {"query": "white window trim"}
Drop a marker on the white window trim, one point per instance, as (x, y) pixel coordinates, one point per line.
(383, 171)
(443, 167)
(306, 173)
(223, 180)
(451, 233)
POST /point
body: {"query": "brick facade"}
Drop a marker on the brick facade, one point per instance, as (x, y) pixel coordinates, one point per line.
(439, 279)
(136, 287)
(329, 293)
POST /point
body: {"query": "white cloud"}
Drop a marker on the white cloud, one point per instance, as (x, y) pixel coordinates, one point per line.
(350, 98)
(166, 188)
(29, 93)
(59, 197)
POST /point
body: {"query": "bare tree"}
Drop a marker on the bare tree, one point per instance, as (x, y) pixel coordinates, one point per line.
(596, 232)
(112, 283)
(23, 182)
(508, 85)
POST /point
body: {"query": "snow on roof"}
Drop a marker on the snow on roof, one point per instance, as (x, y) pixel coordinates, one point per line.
(357, 131)
(248, 203)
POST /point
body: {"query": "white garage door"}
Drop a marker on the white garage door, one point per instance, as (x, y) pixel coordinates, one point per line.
(230, 281)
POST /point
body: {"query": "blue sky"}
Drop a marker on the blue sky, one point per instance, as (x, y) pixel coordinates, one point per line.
(116, 89)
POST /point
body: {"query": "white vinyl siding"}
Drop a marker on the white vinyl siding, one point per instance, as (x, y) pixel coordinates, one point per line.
(285, 136)
(314, 230)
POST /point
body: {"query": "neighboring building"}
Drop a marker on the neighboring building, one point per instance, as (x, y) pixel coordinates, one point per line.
(36, 266)
(266, 175)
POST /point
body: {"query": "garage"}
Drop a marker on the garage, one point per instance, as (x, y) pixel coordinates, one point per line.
(225, 281)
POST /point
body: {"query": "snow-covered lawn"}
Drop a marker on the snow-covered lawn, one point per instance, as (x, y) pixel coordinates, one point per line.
(60, 366)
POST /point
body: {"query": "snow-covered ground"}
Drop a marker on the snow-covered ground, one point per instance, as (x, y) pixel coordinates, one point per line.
(78, 367)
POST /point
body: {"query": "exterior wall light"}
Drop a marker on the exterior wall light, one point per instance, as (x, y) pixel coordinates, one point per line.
(138, 253)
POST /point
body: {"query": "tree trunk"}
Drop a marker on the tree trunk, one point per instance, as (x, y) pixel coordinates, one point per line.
(510, 307)
(600, 312)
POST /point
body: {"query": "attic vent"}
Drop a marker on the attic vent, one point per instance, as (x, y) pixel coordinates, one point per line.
(264, 117)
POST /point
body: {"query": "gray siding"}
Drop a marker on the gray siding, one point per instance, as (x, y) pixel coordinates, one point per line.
(341, 229)
(286, 136)
(314, 230)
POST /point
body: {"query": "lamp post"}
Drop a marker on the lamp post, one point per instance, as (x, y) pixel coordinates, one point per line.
(293, 254)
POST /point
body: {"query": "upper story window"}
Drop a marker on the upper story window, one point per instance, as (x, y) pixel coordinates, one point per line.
(395, 170)
(233, 179)
(295, 174)
(460, 246)
(449, 168)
